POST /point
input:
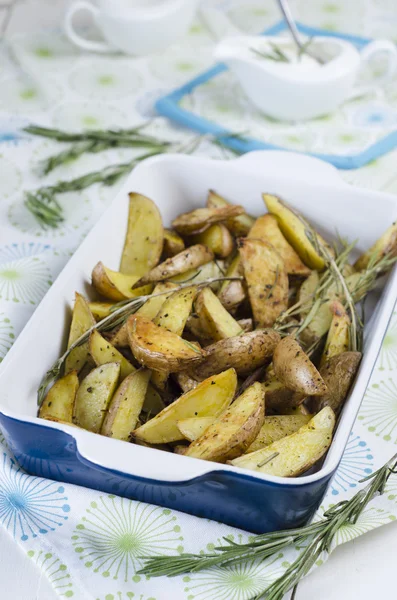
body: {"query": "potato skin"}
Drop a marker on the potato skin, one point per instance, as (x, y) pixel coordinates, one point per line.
(266, 278)
(338, 374)
(157, 348)
(294, 368)
(200, 219)
(244, 353)
(188, 259)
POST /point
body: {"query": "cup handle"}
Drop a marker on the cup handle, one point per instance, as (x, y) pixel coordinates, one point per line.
(378, 46)
(77, 39)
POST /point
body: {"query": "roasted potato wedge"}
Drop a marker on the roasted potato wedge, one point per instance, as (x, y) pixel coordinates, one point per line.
(234, 430)
(173, 243)
(94, 394)
(232, 293)
(116, 286)
(276, 427)
(58, 405)
(104, 352)
(144, 240)
(244, 353)
(295, 370)
(217, 238)
(160, 349)
(238, 225)
(173, 316)
(175, 310)
(266, 228)
(200, 219)
(161, 293)
(293, 228)
(189, 259)
(267, 280)
(215, 319)
(246, 324)
(295, 453)
(82, 321)
(385, 245)
(210, 398)
(193, 428)
(100, 310)
(339, 332)
(338, 374)
(126, 405)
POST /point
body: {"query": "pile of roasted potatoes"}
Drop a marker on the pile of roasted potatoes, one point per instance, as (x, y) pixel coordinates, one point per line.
(240, 341)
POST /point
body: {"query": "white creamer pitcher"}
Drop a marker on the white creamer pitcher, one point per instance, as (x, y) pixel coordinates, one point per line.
(302, 88)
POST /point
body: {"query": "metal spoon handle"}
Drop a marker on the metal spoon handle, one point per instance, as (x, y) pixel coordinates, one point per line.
(285, 9)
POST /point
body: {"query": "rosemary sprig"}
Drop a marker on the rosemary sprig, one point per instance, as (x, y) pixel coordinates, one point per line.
(119, 314)
(43, 203)
(275, 54)
(316, 538)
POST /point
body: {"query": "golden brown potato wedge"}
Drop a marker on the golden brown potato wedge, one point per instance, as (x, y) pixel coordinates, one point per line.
(100, 310)
(240, 225)
(210, 398)
(144, 239)
(266, 228)
(173, 316)
(276, 427)
(385, 245)
(217, 238)
(58, 404)
(295, 370)
(338, 374)
(161, 293)
(126, 405)
(189, 259)
(160, 349)
(244, 353)
(232, 293)
(295, 453)
(215, 319)
(173, 243)
(116, 286)
(234, 430)
(102, 351)
(294, 231)
(266, 278)
(339, 332)
(200, 219)
(194, 427)
(82, 321)
(175, 310)
(94, 394)
(150, 309)
(198, 329)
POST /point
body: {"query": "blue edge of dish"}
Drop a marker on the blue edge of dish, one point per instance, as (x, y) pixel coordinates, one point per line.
(168, 106)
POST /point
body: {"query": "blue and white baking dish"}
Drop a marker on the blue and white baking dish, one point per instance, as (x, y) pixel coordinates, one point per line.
(241, 498)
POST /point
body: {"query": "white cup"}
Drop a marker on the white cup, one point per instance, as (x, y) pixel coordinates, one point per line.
(136, 27)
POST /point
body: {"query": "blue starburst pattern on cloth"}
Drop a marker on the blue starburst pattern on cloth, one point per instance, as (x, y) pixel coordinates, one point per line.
(29, 506)
(22, 250)
(356, 464)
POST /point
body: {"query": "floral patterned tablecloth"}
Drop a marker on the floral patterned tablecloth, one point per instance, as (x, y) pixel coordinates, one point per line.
(88, 543)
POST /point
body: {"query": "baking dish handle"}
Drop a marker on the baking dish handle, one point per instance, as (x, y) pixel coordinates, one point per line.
(291, 164)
